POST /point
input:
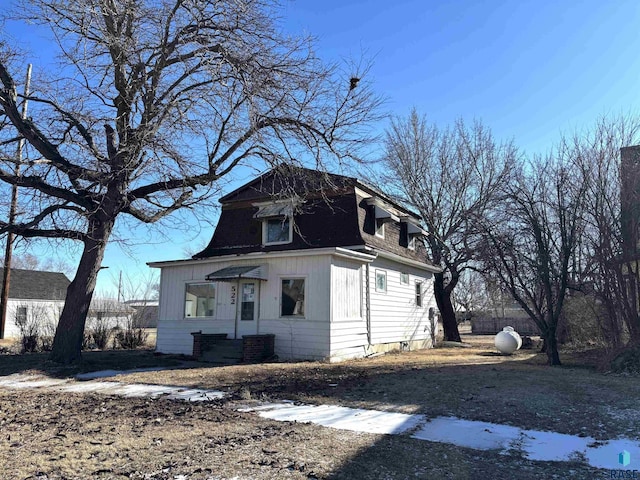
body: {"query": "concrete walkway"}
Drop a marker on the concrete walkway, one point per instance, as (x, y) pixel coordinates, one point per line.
(531, 444)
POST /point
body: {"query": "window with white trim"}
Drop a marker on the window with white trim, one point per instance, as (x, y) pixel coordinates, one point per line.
(277, 230)
(200, 300)
(404, 278)
(292, 297)
(381, 281)
(418, 294)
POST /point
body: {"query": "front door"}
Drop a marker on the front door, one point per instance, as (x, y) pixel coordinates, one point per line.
(247, 315)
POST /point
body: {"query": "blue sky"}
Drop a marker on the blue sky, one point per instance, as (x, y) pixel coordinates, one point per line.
(528, 69)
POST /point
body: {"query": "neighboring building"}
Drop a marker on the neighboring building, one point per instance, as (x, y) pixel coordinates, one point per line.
(146, 312)
(328, 264)
(630, 221)
(109, 313)
(34, 297)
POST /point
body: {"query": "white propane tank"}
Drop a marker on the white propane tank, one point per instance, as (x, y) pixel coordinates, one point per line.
(508, 341)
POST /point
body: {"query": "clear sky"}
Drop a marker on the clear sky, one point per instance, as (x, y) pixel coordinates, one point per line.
(528, 69)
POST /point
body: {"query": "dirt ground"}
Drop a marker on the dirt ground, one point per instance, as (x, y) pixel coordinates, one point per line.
(76, 436)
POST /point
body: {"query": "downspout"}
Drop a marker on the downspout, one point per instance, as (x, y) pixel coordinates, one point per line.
(368, 304)
(238, 305)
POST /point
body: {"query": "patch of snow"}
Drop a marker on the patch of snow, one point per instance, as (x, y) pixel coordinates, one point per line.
(114, 373)
(90, 387)
(196, 395)
(27, 381)
(605, 455)
(141, 390)
(478, 435)
(343, 418)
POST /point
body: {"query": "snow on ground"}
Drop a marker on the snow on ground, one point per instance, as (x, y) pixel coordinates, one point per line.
(342, 418)
(113, 373)
(532, 444)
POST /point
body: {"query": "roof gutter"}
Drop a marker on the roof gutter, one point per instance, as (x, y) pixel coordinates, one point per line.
(345, 252)
(408, 261)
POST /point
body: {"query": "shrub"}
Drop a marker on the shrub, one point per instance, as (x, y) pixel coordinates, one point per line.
(131, 337)
(29, 328)
(627, 361)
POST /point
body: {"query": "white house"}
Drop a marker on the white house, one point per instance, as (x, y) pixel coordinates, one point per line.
(35, 297)
(331, 267)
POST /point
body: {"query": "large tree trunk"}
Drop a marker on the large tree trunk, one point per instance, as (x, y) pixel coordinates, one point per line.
(551, 347)
(67, 343)
(448, 314)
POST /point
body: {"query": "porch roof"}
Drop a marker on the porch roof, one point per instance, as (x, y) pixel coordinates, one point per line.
(227, 274)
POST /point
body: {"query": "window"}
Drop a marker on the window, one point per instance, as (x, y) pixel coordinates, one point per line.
(21, 315)
(404, 278)
(200, 300)
(276, 230)
(418, 294)
(411, 243)
(380, 227)
(292, 304)
(381, 281)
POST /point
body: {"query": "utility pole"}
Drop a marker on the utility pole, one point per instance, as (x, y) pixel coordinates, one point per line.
(6, 277)
(120, 296)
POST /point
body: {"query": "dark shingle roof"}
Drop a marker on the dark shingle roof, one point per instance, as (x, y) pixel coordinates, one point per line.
(36, 284)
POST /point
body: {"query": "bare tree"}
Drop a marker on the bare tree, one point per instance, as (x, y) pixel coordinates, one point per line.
(530, 242)
(451, 176)
(608, 251)
(470, 296)
(29, 261)
(153, 103)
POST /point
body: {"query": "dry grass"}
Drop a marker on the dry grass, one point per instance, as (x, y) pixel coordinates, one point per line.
(93, 436)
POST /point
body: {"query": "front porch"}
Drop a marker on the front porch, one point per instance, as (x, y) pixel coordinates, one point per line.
(217, 348)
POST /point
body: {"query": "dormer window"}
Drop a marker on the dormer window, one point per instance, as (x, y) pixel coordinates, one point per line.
(411, 243)
(277, 223)
(276, 230)
(381, 213)
(410, 230)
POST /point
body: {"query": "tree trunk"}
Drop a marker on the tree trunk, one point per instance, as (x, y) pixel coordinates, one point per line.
(551, 344)
(67, 343)
(448, 314)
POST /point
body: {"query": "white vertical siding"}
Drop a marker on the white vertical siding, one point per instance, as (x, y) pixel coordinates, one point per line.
(348, 324)
(309, 335)
(346, 290)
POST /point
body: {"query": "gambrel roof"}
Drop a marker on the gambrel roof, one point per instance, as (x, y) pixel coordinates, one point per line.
(327, 210)
(36, 284)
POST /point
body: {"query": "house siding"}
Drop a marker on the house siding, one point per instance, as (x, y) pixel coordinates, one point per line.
(395, 319)
(348, 324)
(296, 337)
(394, 314)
